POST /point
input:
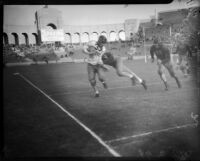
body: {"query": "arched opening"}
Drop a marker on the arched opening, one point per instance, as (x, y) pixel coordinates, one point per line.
(94, 36)
(26, 38)
(16, 38)
(5, 39)
(51, 26)
(104, 34)
(36, 38)
(85, 37)
(68, 38)
(76, 38)
(113, 36)
(122, 35)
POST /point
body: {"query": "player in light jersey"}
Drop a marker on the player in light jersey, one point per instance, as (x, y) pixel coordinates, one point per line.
(131, 52)
(163, 60)
(94, 66)
(117, 63)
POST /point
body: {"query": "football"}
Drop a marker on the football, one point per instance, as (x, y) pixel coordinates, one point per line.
(91, 49)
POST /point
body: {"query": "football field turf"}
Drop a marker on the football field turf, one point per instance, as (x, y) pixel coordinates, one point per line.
(50, 111)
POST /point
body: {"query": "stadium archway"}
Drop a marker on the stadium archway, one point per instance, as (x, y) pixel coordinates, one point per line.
(104, 34)
(113, 36)
(94, 36)
(26, 38)
(85, 37)
(16, 38)
(5, 39)
(51, 26)
(122, 35)
(76, 38)
(36, 38)
(68, 38)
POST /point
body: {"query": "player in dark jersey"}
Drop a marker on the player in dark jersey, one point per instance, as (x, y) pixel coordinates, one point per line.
(184, 52)
(117, 63)
(163, 60)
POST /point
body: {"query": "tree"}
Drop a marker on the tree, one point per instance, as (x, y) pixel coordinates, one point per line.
(191, 26)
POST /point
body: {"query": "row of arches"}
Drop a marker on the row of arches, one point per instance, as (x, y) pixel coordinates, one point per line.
(15, 38)
(85, 37)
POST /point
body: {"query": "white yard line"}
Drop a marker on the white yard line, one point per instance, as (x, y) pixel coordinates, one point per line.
(112, 151)
(151, 132)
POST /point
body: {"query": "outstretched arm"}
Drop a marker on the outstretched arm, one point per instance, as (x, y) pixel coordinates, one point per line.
(101, 52)
(86, 50)
(105, 68)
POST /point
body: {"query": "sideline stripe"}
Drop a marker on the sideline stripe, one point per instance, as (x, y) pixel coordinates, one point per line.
(151, 132)
(112, 151)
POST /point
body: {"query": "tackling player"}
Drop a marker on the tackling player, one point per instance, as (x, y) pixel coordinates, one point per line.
(117, 63)
(163, 60)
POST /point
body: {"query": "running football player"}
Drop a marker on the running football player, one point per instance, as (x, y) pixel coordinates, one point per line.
(183, 51)
(163, 61)
(94, 66)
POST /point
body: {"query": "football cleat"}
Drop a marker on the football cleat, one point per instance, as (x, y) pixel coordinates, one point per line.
(97, 95)
(133, 81)
(166, 86)
(105, 85)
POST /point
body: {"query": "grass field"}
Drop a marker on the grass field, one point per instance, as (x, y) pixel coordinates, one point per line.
(50, 111)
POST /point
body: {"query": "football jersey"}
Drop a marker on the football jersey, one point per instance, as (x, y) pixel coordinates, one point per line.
(182, 49)
(94, 58)
(132, 50)
(109, 59)
(101, 50)
(161, 52)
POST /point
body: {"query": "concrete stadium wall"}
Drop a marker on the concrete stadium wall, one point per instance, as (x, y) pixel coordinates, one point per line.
(29, 30)
(19, 30)
(108, 28)
(45, 17)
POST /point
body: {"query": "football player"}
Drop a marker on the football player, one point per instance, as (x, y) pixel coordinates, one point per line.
(163, 61)
(183, 51)
(94, 66)
(117, 63)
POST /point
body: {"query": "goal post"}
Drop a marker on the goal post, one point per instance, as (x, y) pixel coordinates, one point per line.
(146, 45)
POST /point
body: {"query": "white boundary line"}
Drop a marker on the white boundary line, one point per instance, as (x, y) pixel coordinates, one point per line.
(151, 132)
(124, 87)
(112, 151)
